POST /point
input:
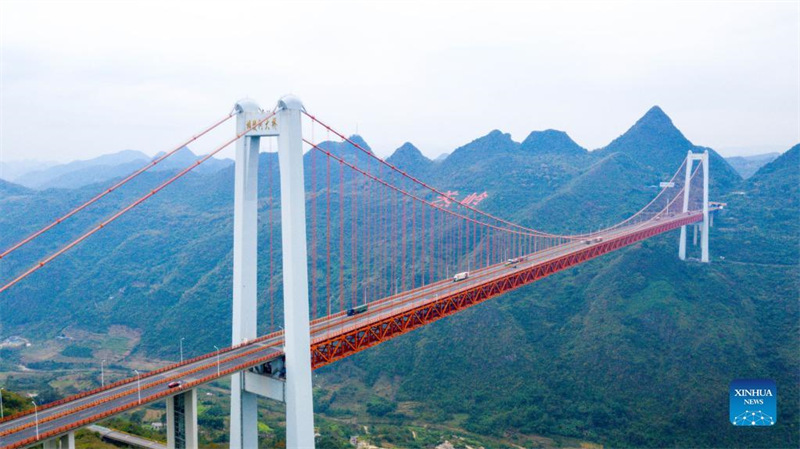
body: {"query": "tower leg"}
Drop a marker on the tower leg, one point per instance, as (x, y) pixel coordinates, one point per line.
(686, 186)
(299, 405)
(704, 257)
(244, 413)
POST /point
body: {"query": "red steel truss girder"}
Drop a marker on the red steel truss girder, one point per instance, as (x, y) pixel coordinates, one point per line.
(357, 339)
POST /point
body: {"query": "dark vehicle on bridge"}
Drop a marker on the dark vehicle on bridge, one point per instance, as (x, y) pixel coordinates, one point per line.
(175, 384)
(356, 310)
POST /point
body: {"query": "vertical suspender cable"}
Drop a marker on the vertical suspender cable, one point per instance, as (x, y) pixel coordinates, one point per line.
(413, 266)
(328, 231)
(313, 229)
(423, 242)
(403, 260)
(270, 253)
(341, 236)
(354, 239)
(432, 255)
(368, 231)
(395, 253)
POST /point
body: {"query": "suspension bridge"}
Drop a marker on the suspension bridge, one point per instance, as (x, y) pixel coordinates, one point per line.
(389, 253)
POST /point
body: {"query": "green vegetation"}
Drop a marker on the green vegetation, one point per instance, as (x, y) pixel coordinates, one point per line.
(380, 407)
(634, 349)
(77, 351)
(14, 402)
(133, 423)
(85, 439)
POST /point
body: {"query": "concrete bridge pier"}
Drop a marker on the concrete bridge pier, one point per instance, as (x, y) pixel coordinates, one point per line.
(66, 441)
(182, 420)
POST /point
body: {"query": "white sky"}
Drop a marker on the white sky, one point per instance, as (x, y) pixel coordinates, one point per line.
(80, 79)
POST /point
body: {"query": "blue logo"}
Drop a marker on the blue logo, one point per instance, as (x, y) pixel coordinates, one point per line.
(754, 402)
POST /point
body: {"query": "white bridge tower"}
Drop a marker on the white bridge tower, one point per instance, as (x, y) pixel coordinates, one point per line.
(690, 158)
(247, 386)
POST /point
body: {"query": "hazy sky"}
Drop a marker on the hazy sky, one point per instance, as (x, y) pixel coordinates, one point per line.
(80, 79)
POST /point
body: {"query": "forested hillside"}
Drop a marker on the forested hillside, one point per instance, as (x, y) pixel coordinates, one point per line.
(635, 349)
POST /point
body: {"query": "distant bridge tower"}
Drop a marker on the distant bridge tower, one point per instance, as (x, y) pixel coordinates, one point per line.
(690, 158)
(246, 386)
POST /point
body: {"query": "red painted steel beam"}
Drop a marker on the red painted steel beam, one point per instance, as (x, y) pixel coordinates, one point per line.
(361, 337)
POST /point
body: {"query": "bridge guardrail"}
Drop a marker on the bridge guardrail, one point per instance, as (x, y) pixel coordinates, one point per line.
(94, 418)
(132, 379)
(130, 392)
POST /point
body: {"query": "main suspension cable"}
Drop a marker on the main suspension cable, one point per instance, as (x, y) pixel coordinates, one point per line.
(527, 230)
(407, 194)
(427, 186)
(119, 184)
(142, 199)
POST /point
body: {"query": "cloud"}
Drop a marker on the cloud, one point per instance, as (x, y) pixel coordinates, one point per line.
(87, 78)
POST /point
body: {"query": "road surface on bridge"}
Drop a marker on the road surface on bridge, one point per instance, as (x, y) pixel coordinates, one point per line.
(82, 411)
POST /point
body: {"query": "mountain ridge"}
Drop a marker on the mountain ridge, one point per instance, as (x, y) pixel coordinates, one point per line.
(551, 141)
(80, 173)
(748, 165)
(655, 141)
(574, 348)
(409, 158)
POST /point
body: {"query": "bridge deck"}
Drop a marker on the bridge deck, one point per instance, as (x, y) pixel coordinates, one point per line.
(125, 438)
(332, 338)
